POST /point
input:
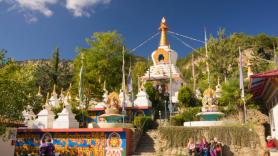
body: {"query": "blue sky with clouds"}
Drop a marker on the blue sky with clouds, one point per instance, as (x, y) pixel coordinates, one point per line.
(31, 29)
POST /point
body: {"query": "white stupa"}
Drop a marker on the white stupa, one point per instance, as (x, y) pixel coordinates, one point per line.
(164, 62)
(45, 117)
(142, 100)
(66, 119)
(54, 101)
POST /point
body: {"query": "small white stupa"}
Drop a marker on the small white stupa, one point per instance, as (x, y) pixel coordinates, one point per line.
(198, 94)
(66, 119)
(142, 99)
(54, 101)
(102, 105)
(125, 96)
(218, 90)
(45, 117)
(29, 116)
(175, 97)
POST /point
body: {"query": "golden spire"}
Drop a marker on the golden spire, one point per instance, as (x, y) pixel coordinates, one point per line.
(54, 90)
(163, 28)
(250, 72)
(39, 94)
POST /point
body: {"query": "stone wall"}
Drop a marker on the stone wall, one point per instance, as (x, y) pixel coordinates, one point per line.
(250, 147)
(136, 136)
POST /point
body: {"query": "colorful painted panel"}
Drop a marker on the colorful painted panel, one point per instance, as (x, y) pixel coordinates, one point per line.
(72, 143)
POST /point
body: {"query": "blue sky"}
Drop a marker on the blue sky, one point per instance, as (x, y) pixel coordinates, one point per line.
(31, 29)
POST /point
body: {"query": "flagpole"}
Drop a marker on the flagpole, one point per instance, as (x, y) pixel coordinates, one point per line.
(130, 87)
(81, 88)
(193, 74)
(123, 83)
(206, 47)
(149, 66)
(241, 85)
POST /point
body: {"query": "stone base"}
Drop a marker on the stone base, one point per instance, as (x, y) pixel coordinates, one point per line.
(110, 125)
(207, 123)
(66, 122)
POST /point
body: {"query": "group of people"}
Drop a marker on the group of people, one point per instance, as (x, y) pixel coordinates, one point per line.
(204, 148)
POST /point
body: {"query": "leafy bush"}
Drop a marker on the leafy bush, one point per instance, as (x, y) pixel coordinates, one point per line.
(188, 115)
(229, 135)
(186, 97)
(143, 122)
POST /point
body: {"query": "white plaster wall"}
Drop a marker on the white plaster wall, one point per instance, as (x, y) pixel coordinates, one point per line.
(6, 148)
(274, 120)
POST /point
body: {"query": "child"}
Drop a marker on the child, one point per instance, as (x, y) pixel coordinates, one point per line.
(218, 149)
(191, 146)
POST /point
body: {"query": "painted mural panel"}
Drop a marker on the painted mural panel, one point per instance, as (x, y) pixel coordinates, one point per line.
(72, 143)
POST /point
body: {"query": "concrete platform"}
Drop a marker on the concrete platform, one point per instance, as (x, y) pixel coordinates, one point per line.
(207, 123)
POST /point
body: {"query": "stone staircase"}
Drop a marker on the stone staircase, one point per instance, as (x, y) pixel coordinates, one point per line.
(146, 144)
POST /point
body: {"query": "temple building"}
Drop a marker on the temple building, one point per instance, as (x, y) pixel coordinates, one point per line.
(164, 63)
(264, 86)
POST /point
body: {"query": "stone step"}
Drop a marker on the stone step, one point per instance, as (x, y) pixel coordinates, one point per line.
(146, 148)
(146, 145)
(143, 154)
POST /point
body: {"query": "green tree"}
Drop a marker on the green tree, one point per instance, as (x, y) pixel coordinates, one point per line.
(186, 97)
(55, 66)
(139, 69)
(2, 57)
(231, 96)
(48, 73)
(102, 63)
(155, 97)
(13, 93)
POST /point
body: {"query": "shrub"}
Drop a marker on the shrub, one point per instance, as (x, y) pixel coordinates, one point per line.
(188, 115)
(143, 122)
(229, 135)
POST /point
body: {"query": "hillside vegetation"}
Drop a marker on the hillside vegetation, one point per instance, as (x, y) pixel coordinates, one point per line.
(223, 52)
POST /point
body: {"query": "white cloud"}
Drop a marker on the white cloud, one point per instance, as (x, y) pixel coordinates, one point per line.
(30, 8)
(36, 5)
(81, 7)
(30, 18)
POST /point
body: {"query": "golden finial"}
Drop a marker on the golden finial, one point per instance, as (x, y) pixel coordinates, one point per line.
(142, 85)
(62, 90)
(249, 69)
(163, 28)
(46, 101)
(54, 89)
(138, 82)
(104, 85)
(68, 92)
(39, 92)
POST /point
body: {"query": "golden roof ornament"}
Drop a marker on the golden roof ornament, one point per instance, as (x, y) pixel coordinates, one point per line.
(54, 90)
(46, 105)
(249, 69)
(163, 28)
(39, 94)
(209, 93)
